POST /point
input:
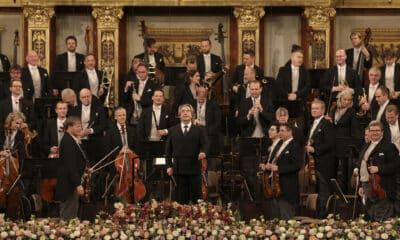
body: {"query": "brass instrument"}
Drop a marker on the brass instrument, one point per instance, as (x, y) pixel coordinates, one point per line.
(361, 112)
(107, 84)
(137, 111)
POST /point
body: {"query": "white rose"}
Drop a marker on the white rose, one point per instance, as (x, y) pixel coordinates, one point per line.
(4, 235)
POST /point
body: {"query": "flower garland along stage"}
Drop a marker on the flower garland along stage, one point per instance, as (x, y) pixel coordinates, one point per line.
(169, 220)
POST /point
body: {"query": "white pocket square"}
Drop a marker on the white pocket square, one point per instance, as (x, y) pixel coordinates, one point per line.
(319, 130)
(166, 116)
(149, 90)
(381, 154)
(287, 152)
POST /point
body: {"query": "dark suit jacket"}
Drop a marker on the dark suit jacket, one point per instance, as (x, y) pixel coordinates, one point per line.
(348, 125)
(27, 83)
(144, 127)
(216, 64)
(387, 134)
(182, 95)
(185, 149)
(112, 139)
(62, 62)
(72, 165)
(97, 118)
(159, 58)
(213, 126)
(26, 108)
(238, 75)
(350, 56)
(386, 156)
(324, 145)
(247, 126)
(374, 108)
(19, 146)
(50, 137)
(82, 81)
(284, 82)
(396, 76)
(332, 74)
(289, 164)
(145, 100)
(5, 62)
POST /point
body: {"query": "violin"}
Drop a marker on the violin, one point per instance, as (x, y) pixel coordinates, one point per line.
(204, 182)
(377, 191)
(271, 185)
(9, 171)
(29, 135)
(311, 167)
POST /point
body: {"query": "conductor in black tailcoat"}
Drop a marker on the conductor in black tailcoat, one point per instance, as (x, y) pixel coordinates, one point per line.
(187, 145)
(72, 166)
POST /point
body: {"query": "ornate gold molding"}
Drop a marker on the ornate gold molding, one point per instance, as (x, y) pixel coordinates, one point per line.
(38, 16)
(107, 19)
(319, 18)
(248, 17)
(107, 16)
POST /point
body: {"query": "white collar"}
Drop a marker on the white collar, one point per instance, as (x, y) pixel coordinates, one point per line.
(86, 107)
(32, 66)
(71, 53)
(157, 107)
(374, 86)
(287, 141)
(188, 125)
(294, 67)
(60, 121)
(340, 67)
(376, 142)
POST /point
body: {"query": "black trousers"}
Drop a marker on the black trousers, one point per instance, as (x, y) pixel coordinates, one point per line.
(323, 190)
(188, 188)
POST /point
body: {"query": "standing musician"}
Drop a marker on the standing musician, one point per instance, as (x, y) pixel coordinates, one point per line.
(242, 91)
(91, 78)
(35, 79)
(293, 82)
(339, 77)
(287, 163)
(248, 62)
(155, 59)
(209, 65)
(321, 145)
(131, 76)
(155, 120)
(70, 61)
(391, 75)
(353, 54)
(54, 130)
(367, 100)
(391, 129)
(254, 118)
(15, 102)
(186, 145)
(138, 93)
(378, 158)
(71, 169)
(186, 93)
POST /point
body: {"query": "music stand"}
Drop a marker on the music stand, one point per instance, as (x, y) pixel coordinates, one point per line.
(65, 79)
(337, 194)
(44, 107)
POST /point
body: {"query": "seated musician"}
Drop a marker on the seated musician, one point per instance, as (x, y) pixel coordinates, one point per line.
(71, 169)
(12, 138)
(15, 74)
(69, 97)
(155, 120)
(209, 65)
(379, 158)
(54, 130)
(287, 163)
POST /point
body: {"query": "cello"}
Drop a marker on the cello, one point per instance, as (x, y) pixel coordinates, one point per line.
(127, 164)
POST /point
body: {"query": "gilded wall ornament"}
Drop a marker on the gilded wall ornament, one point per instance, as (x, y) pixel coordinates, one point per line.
(319, 15)
(107, 16)
(38, 16)
(248, 17)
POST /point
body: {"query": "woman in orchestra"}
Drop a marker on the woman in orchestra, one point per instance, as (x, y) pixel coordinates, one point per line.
(347, 128)
(186, 94)
(12, 139)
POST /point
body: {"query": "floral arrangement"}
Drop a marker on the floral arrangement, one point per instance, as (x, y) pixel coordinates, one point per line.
(170, 220)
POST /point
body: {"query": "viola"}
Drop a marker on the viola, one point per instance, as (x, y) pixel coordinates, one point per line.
(376, 189)
(204, 182)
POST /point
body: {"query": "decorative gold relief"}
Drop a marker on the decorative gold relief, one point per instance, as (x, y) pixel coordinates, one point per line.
(39, 45)
(248, 17)
(107, 49)
(38, 16)
(107, 16)
(248, 40)
(319, 15)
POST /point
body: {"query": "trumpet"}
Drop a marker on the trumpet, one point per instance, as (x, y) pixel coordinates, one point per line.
(361, 112)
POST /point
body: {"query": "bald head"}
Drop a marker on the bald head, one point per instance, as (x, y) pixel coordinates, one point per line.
(341, 57)
(32, 58)
(85, 96)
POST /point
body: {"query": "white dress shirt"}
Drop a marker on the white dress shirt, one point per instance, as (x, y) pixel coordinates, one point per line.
(295, 78)
(314, 126)
(258, 130)
(389, 77)
(395, 134)
(381, 110)
(71, 62)
(371, 91)
(60, 129)
(342, 74)
(155, 121)
(93, 81)
(15, 103)
(85, 117)
(183, 127)
(207, 62)
(37, 83)
(152, 60)
(356, 57)
(364, 175)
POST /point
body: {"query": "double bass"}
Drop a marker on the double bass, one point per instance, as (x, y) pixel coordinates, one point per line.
(127, 164)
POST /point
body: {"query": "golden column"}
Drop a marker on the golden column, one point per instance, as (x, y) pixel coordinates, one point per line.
(107, 19)
(38, 18)
(248, 19)
(319, 35)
